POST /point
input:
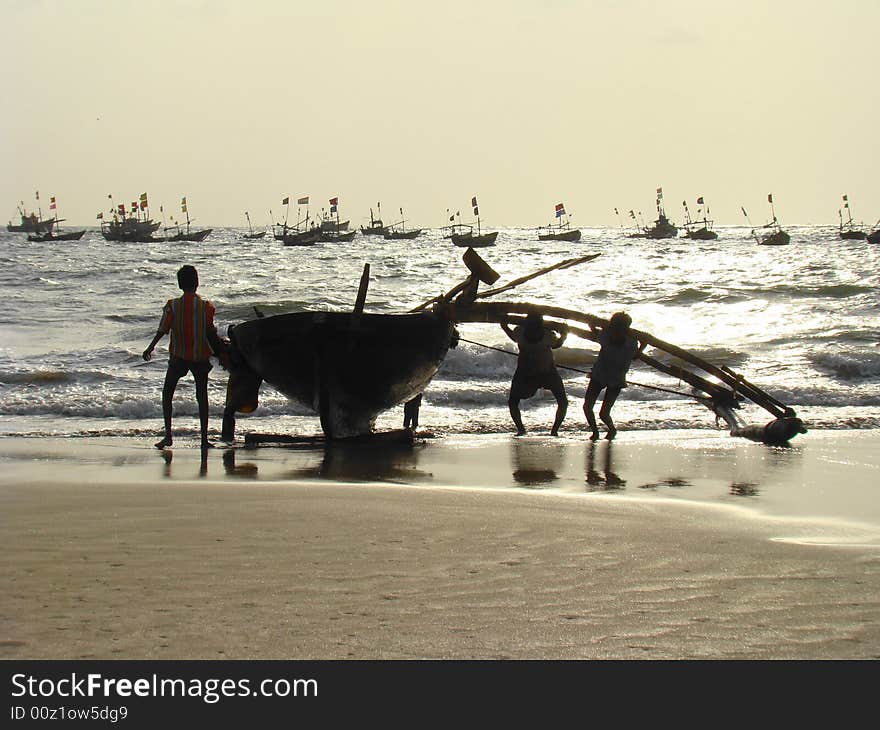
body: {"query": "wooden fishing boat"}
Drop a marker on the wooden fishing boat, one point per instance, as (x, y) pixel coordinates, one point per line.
(699, 230)
(346, 367)
(663, 227)
(30, 223)
(874, 236)
(462, 234)
(775, 235)
(293, 237)
(56, 236)
(130, 229)
(848, 230)
(562, 231)
(252, 234)
(188, 234)
(397, 231)
(341, 236)
(393, 235)
(469, 239)
(350, 367)
(376, 227)
(54, 232)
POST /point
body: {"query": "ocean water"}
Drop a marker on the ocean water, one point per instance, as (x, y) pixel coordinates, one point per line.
(801, 321)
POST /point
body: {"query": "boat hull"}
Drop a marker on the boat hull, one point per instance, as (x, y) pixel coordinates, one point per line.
(466, 240)
(193, 236)
(874, 236)
(573, 235)
(254, 236)
(398, 235)
(347, 368)
(853, 235)
(304, 238)
(702, 234)
(780, 238)
(50, 236)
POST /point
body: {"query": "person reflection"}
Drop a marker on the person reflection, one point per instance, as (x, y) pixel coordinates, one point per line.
(536, 463)
(606, 479)
(168, 457)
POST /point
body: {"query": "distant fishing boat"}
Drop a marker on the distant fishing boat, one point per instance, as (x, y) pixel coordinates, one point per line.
(874, 236)
(848, 231)
(328, 223)
(251, 234)
(662, 227)
(698, 229)
(188, 234)
(376, 227)
(334, 230)
(393, 233)
(776, 236)
(301, 234)
(133, 227)
(462, 234)
(54, 232)
(31, 222)
(562, 231)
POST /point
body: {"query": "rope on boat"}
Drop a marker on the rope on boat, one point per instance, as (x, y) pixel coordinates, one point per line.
(587, 372)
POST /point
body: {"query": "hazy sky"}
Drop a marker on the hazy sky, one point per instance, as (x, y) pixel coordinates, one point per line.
(424, 104)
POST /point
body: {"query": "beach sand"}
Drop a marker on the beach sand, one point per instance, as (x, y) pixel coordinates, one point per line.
(669, 546)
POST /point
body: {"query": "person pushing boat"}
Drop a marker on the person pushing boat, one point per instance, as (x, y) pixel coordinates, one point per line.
(618, 349)
(535, 368)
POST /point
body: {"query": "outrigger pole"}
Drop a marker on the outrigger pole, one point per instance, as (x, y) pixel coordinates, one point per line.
(723, 397)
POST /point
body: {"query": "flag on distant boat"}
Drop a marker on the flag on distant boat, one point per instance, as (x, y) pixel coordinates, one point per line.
(37, 193)
(183, 205)
(286, 201)
(100, 216)
(121, 209)
(52, 203)
(452, 217)
(700, 200)
(476, 211)
(474, 201)
(660, 192)
(134, 206)
(334, 201)
(302, 201)
(770, 198)
(560, 210)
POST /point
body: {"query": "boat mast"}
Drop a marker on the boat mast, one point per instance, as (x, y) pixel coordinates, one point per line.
(250, 227)
(848, 211)
(772, 210)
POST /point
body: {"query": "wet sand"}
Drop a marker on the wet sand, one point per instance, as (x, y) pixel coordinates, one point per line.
(490, 547)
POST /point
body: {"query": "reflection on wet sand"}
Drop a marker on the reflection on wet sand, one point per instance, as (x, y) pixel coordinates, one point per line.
(607, 479)
(364, 462)
(247, 470)
(168, 457)
(537, 463)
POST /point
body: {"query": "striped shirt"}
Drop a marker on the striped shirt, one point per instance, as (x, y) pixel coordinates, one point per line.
(188, 319)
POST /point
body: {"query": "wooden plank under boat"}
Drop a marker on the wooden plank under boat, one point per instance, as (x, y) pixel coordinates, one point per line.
(346, 367)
